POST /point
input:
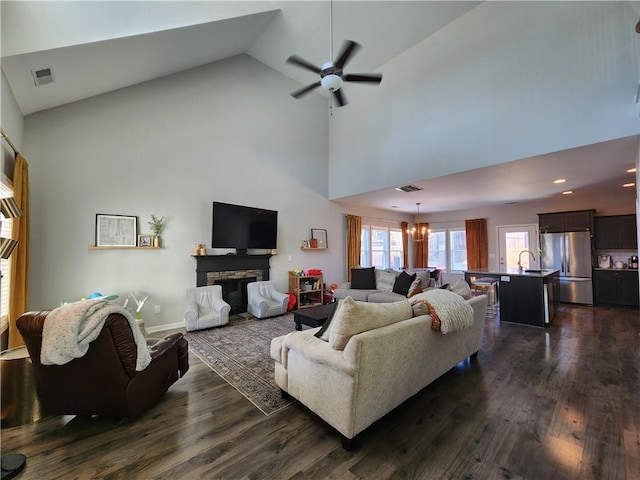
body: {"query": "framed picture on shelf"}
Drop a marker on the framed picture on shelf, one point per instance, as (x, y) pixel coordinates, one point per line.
(305, 244)
(321, 236)
(145, 240)
(116, 230)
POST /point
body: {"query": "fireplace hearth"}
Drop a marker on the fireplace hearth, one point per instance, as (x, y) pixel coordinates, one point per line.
(232, 272)
(234, 292)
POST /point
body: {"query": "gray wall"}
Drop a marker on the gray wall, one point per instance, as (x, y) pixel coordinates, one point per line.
(170, 147)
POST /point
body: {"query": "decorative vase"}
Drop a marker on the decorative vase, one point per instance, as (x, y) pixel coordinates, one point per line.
(156, 241)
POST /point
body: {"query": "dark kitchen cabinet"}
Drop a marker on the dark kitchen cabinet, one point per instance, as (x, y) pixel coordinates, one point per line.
(616, 232)
(576, 221)
(616, 287)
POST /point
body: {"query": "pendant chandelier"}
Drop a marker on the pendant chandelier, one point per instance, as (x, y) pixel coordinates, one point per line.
(418, 232)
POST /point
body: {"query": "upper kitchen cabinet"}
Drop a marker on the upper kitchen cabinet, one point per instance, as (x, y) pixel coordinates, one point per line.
(576, 221)
(616, 232)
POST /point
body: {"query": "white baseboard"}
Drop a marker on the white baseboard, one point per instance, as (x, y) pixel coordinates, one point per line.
(162, 328)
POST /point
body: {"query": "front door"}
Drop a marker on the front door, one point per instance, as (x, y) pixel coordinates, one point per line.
(513, 241)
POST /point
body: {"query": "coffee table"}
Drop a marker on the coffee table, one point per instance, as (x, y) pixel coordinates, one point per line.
(313, 316)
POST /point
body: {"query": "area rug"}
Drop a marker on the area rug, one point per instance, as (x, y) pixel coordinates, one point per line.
(239, 352)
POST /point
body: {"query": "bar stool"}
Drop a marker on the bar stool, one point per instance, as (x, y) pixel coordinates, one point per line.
(488, 286)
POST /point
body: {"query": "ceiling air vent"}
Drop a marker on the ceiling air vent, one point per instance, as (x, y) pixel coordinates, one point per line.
(408, 188)
(42, 76)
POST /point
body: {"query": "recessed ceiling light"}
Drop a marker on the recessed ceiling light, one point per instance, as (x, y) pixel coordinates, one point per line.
(632, 170)
(560, 180)
(567, 192)
(629, 185)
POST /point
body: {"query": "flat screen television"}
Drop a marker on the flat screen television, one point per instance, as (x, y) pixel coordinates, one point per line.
(242, 228)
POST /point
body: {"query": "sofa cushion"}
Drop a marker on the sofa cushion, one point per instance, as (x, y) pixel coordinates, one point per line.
(462, 288)
(359, 295)
(363, 278)
(384, 297)
(385, 280)
(357, 317)
(403, 283)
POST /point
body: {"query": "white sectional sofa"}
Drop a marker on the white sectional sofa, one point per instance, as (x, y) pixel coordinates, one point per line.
(381, 286)
(351, 381)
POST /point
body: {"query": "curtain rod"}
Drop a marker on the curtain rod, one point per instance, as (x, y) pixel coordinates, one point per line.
(4, 135)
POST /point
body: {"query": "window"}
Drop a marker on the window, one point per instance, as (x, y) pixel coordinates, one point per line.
(457, 250)
(365, 247)
(5, 265)
(438, 249)
(381, 247)
(448, 249)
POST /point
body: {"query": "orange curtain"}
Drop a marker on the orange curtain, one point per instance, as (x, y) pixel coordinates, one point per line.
(404, 227)
(422, 245)
(19, 288)
(354, 233)
(477, 244)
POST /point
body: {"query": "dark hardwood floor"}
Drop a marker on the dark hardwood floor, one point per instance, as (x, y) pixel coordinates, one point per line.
(560, 403)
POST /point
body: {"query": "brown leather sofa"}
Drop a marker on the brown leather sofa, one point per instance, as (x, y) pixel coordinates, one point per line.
(105, 381)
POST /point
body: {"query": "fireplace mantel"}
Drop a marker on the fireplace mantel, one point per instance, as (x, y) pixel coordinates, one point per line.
(223, 263)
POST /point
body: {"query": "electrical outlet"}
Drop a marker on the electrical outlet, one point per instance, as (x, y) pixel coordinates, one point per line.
(289, 258)
(157, 309)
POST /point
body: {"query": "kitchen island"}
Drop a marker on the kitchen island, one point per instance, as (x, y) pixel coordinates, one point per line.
(530, 297)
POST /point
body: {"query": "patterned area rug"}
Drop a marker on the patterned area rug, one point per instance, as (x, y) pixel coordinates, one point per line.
(240, 353)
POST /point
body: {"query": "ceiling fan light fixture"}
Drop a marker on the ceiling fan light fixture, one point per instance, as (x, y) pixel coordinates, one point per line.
(331, 82)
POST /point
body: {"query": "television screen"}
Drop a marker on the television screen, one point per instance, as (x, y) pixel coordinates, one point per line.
(240, 227)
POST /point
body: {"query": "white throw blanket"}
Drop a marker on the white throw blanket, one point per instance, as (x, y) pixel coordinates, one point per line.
(69, 329)
(453, 311)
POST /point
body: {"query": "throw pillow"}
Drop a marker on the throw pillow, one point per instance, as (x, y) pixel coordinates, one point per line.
(462, 288)
(385, 281)
(357, 317)
(425, 279)
(414, 291)
(323, 333)
(363, 278)
(403, 283)
(415, 285)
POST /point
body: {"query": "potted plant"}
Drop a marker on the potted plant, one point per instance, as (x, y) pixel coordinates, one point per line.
(157, 225)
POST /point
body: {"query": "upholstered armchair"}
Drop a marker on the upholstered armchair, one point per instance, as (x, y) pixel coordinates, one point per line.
(264, 300)
(205, 308)
(105, 381)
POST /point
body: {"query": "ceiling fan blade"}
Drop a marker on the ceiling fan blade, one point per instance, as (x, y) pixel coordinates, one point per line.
(300, 62)
(304, 90)
(340, 98)
(358, 77)
(349, 47)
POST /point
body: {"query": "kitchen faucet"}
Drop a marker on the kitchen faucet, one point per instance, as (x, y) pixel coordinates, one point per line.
(520, 259)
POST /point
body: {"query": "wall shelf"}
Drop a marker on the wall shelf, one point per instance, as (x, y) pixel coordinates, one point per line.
(94, 247)
(317, 248)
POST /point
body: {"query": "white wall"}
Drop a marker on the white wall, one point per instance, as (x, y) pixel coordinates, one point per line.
(170, 147)
(548, 77)
(617, 202)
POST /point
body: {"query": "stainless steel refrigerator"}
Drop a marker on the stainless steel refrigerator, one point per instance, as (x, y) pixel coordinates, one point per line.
(570, 252)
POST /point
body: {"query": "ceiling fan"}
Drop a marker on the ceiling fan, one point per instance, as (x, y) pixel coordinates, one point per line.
(331, 73)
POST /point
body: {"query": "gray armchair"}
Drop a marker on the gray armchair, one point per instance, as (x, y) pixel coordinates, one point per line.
(205, 308)
(264, 300)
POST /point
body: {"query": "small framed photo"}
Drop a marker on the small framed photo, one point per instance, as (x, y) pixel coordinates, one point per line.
(305, 244)
(145, 240)
(321, 236)
(116, 230)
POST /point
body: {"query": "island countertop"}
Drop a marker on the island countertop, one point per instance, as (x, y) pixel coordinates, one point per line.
(530, 297)
(525, 273)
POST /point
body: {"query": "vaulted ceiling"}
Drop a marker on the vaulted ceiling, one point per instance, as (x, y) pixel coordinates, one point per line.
(97, 47)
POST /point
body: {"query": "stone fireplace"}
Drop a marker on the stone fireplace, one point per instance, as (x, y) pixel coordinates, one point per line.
(232, 272)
